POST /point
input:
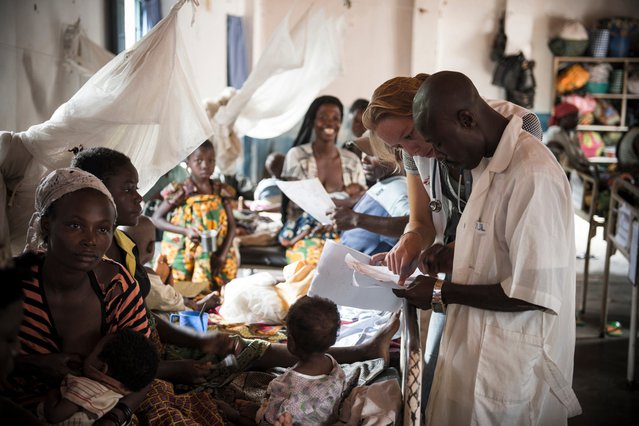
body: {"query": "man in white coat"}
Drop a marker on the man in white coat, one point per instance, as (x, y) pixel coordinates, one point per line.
(506, 355)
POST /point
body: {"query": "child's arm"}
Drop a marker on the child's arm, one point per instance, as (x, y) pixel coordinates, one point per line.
(159, 220)
(217, 261)
(228, 240)
(58, 409)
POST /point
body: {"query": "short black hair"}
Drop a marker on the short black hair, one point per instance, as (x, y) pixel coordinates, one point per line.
(358, 104)
(131, 358)
(313, 322)
(207, 144)
(12, 274)
(100, 162)
(304, 135)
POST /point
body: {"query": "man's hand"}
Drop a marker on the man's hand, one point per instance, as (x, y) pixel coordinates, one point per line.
(344, 218)
(437, 258)
(420, 292)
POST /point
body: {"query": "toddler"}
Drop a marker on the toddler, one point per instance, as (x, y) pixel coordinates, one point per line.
(120, 364)
(311, 390)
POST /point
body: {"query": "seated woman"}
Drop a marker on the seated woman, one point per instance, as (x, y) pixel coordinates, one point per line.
(76, 295)
(561, 137)
(339, 171)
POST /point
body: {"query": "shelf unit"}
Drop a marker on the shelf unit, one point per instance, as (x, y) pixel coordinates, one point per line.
(622, 97)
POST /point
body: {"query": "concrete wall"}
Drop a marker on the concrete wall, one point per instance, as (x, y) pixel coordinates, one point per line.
(31, 35)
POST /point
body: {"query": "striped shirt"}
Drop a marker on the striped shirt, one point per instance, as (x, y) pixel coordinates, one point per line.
(122, 307)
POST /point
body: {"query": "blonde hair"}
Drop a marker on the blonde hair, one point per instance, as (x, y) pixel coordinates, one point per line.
(393, 98)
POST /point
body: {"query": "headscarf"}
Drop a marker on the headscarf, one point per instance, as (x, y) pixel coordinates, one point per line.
(54, 186)
(562, 110)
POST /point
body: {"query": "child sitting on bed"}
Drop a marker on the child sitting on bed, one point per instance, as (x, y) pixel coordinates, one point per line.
(311, 390)
(121, 363)
(162, 296)
(197, 205)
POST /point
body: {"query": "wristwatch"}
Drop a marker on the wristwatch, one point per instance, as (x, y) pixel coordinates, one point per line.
(436, 303)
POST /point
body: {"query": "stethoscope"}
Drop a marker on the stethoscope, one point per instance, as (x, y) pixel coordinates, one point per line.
(435, 204)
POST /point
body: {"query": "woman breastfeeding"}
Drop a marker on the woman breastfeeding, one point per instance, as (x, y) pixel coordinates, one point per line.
(77, 295)
(315, 155)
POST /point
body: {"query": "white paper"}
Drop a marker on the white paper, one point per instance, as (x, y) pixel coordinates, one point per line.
(368, 276)
(334, 280)
(310, 196)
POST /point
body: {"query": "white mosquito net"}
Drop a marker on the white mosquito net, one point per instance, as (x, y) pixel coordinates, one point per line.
(145, 103)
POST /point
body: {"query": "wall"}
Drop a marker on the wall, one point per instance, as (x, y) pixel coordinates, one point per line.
(384, 38)
(531, 24)
(208, 40)
(457, 35)
(377, 39)
(31, 35)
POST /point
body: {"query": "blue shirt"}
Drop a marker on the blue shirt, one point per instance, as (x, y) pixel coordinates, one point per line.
(387, 198)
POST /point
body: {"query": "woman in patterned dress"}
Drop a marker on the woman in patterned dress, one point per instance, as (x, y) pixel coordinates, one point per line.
(338, 169)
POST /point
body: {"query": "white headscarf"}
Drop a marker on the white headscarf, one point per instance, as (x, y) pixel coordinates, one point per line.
(54, 186)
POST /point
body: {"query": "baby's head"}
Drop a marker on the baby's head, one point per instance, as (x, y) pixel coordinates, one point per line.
(143, 235)
(312, 324)
(127, 357)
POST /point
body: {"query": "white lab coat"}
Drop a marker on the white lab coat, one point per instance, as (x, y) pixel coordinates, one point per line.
(517, 229)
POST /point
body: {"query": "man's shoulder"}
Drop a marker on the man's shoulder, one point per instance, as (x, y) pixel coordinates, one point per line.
(533, 158)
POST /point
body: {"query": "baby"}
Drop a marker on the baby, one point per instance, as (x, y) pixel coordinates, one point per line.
(311, 390)
(120, 364)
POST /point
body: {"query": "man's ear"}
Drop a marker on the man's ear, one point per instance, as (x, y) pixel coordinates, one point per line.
(466, 118)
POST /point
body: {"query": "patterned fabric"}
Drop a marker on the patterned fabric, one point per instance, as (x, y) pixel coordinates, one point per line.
(310, 248)
(300, 163)
(162, 407)
(122, 307)
(93, 398)
(204, 212)
(311, 400)
(54, 186)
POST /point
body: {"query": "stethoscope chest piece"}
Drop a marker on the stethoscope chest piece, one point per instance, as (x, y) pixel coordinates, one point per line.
(435, 205)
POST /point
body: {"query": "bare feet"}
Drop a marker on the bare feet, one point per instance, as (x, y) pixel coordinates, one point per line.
(379, 345)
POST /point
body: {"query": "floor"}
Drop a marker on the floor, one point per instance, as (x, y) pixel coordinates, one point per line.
(600, 364)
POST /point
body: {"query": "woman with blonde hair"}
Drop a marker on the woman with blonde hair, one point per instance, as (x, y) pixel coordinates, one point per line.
(437, 191)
